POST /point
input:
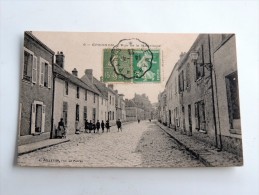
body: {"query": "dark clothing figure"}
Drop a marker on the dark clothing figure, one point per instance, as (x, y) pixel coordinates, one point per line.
(94, 127)
(118, 123)
(107, 125)
(98, 125)
(90, 126)
(86, 126)
(61, 129)
(77, 127)
(138, 121)
(102, 125)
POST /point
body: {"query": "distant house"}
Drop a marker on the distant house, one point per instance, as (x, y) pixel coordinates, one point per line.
(111, 104)
(103, 94)
(36, 92)
(133, 112)
(120, 106)
(75, 100)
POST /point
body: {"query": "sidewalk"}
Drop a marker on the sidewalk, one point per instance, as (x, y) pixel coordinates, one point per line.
(24, 149)
(208, 155)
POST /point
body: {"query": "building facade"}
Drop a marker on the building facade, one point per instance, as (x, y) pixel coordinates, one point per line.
(133, 112)
(227, 91)
(74, 100)
(36, 92)
(202, 93)
(111, 108)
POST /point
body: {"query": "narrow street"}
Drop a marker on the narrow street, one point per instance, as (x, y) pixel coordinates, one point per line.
(138, 145)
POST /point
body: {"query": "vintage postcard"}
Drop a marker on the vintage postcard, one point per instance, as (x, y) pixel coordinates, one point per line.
(90, 99)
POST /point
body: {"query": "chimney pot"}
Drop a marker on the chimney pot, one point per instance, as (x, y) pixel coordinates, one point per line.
(110, 86)
(75, 72)
(60, 59)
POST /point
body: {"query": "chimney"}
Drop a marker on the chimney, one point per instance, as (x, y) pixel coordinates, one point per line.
(89, 74)
(182, 55)
(60, 59)
(110, 86)
(75, 72)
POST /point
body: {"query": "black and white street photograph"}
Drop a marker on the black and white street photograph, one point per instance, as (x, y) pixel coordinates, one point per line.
(126, 97)
(129, 100)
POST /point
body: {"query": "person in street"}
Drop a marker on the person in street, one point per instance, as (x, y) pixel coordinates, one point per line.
(97, 125)
(118, 123)
(138, 121)
(94, 126)
(86, 126)
(61, 128)
(102, 126)
(107, 125)
(90, 126)
(77, 127)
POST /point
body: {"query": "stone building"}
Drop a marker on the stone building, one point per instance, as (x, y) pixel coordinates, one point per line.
(162, 108)
(142, 101)
(36, 91)
(227, 92)
(171, 90)
(120, 106)
(74, 99)
(111, 108)
(133, 112)
(205, 84)
(89, 79)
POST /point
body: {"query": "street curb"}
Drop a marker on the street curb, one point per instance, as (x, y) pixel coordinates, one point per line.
(192, 152)
(33, 150)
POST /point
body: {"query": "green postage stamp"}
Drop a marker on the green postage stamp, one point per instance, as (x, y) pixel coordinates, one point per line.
(131, 65)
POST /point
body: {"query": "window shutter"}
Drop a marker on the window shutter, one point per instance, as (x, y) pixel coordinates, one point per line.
(33, 111)
(49, 76)
(34, 70)
(42, 67)
(43, 118)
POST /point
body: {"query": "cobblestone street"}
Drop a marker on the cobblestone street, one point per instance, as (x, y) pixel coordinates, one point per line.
(138, 145)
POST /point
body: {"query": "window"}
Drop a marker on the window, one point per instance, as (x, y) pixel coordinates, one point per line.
(65, 109)
(66, 87)
(200, 64)
(45, 73)
(29, 66)
(188, 79)
(110, 99)
(85, 112)
(233, 100)
(181, 81)
(77, 112)
(85, 95)
(77, 92)
(200, 115)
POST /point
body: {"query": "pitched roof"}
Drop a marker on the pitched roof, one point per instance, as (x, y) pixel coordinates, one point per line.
(29, 33)
(130, 103)
(73, 79)
(89, 83)
(101, 87)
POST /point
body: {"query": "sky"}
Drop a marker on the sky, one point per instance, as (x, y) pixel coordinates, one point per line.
(84, 50)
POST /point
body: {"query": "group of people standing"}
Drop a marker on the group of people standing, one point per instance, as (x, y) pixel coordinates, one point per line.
(89, 126)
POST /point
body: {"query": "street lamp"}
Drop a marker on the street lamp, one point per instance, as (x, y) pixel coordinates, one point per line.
(194, 55)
